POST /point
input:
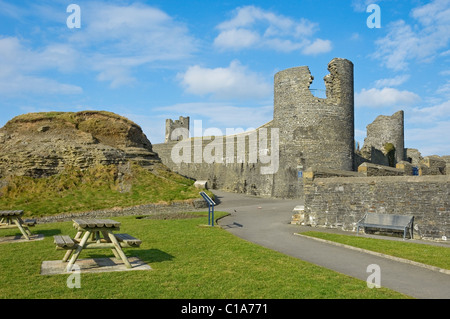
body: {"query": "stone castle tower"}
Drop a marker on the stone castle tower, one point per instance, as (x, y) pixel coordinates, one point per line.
(171, 126)
(314, 132)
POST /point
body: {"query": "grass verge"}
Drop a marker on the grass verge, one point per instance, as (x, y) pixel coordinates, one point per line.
(427, 254)
(188, 261)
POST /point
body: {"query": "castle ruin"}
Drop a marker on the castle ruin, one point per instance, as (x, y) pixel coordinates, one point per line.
(173, 126)
(312, 141)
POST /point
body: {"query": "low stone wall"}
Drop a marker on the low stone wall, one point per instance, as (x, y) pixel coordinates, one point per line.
(340, 202)
(368, 169)
(147, 209)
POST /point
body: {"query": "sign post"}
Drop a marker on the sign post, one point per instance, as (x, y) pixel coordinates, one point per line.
(211, 205)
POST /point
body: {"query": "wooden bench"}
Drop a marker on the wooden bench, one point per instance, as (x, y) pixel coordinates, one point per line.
(29, 222)
(64, 242)
(388, 221)
(128, 239)
(12, 219)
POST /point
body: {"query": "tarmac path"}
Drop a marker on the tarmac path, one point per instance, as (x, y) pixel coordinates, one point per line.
(266, 221)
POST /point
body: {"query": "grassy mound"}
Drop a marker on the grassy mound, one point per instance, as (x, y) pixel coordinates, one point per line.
(99, 187)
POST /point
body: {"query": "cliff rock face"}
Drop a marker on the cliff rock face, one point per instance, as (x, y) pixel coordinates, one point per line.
(43, 144)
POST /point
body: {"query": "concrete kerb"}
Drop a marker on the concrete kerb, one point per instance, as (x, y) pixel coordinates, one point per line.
(406, 261)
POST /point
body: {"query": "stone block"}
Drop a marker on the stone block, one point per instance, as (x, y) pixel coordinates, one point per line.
(201, 184)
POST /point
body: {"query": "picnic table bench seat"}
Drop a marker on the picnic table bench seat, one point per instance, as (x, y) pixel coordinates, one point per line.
(128, 239)
(387, 221)
(64, 242)
(29, 222)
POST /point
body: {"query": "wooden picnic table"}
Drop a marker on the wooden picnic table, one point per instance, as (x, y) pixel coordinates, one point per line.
(12, 219)
(96, 234)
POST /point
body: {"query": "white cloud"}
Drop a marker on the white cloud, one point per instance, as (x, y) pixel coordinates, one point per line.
(114, 41)
(253, 27)
(444, 89)
(10, 10)
(429, 114)
(433, 140)
(361, 5)
(135, 30)
(237, 39)
(22, 84)
(385, 97)
(318, 46)
(232, 82)
(437, 11)
(222, 115)
(118, 39)
(18, 65)
(395, 81)
(422, 41)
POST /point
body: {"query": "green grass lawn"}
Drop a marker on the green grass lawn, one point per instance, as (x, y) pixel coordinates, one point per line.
(188, 261)
(422, 253)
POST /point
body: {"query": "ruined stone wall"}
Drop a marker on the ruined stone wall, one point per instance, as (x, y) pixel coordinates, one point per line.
(171, 126)
(236, 163)
(432, 165)
(313, 131)
(340, 202)
(384, 130)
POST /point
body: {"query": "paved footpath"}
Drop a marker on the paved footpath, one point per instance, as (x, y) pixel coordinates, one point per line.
(266, 221)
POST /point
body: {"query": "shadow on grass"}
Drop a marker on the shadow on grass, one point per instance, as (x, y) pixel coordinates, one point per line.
(153, 255)
(146, 255)
(46, 232)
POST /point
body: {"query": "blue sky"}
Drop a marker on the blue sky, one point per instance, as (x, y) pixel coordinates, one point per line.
(215, 61)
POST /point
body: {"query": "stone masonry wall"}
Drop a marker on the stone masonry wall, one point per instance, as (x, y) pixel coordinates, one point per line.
(313, 131)
(385, 129)
(234, 163)
(171, 126)
(340, 202)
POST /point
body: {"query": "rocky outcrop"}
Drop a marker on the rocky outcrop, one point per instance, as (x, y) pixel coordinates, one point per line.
(43, 144)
